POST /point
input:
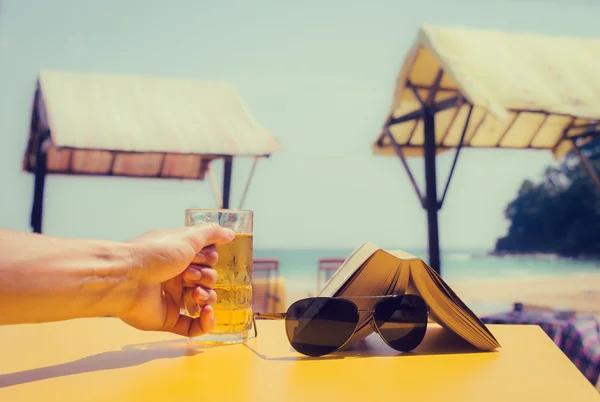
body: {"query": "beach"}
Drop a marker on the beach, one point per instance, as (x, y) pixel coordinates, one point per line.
(578, 292)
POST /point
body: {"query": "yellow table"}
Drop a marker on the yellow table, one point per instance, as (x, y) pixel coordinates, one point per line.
(105, 360)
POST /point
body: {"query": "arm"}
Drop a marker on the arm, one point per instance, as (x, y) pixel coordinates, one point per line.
(145, 282)
(50, 279)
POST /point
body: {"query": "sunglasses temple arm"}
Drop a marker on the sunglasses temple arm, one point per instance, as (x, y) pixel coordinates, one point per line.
(266, 316)
(270, 316)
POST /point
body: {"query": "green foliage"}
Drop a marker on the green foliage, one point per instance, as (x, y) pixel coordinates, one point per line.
(561, 214)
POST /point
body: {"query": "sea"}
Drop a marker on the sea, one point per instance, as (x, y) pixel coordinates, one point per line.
(299, 267)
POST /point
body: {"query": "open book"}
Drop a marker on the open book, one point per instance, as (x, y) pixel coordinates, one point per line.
(371, 271)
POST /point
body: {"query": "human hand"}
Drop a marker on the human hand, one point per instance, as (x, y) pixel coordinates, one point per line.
(168, 267)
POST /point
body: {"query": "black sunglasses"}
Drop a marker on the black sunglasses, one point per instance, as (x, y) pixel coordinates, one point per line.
(317, 326)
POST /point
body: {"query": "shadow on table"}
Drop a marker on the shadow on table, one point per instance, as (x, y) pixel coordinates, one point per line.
(438, 341)
(128, 356)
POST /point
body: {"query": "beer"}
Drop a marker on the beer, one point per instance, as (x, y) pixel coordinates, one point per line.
(233, 310)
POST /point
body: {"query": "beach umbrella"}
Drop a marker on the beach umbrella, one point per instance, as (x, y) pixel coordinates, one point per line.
(90, 124)
(466, 88)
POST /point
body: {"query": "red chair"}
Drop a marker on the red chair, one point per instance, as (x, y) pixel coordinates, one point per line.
(264, 283)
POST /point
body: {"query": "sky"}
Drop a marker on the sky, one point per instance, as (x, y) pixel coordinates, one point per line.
(319, 75)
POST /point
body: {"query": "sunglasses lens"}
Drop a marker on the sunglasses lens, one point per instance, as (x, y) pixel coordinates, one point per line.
(402, 321)
(320, 325)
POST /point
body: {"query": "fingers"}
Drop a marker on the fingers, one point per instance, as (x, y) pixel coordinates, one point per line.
(196, 298)
(204, 297)
(204, 324)
(207, 234)
(192, 327)
(207, 256)
(196, 275)
(200, 272)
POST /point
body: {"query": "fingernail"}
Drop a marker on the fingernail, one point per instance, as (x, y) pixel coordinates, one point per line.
(199, 258)
(212, 315)
(202, 294)
(230, 233)
(194, 274)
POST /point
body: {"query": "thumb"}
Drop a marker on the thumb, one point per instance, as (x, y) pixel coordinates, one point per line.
(206, 234)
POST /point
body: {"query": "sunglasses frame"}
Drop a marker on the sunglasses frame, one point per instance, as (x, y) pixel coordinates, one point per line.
(283, 316)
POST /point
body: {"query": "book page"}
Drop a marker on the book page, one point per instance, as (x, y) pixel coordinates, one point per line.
(355, 262)
(448, 310)
(402, 255)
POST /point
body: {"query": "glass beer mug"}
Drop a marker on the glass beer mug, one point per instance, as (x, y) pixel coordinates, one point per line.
(233, 309)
